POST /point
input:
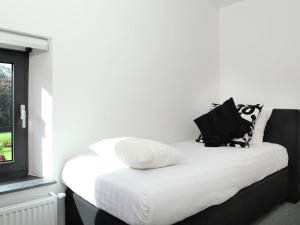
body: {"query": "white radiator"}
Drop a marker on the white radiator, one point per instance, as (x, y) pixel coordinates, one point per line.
(37, 212)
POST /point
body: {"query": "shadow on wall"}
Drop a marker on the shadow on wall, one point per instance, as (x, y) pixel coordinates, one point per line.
(40, 113)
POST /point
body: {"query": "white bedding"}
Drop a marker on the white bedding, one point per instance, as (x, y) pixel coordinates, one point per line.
(209, 176)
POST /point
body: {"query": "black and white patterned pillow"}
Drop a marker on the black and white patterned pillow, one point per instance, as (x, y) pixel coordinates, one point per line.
(247, 112)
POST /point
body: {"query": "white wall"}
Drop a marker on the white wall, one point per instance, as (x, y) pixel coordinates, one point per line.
(117, 68)
(260, 52)
(40, 114)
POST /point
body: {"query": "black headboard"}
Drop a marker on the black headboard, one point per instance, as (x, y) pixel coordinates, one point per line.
(284, 128)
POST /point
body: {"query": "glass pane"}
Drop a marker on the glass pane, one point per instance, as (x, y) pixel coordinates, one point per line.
(6, 112)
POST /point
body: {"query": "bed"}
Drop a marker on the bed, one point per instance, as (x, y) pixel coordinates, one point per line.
(229, 191)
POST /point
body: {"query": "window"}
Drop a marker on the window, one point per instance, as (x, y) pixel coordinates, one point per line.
(13, 118)
(6, 120)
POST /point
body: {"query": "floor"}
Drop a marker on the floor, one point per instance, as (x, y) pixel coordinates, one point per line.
(286, 214)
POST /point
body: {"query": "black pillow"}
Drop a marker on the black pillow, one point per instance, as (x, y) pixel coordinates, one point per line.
(247, 112)
(222, 124)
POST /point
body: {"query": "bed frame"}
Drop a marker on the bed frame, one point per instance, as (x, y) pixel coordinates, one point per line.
(243, 208)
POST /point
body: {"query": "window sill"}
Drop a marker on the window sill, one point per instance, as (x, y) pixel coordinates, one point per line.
(25, 183)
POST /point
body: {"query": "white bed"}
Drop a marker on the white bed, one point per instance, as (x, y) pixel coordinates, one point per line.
(209, 176)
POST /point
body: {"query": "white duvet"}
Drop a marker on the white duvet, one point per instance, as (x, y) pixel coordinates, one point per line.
(209, 176)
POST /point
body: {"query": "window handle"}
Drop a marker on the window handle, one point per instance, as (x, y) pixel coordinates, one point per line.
(23, 115)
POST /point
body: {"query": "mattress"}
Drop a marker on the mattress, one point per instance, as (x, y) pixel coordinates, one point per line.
(207, 177)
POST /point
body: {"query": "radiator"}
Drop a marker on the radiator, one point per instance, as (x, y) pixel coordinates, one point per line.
(37, 212)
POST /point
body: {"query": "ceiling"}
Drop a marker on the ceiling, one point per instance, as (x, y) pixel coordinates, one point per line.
(224, 3)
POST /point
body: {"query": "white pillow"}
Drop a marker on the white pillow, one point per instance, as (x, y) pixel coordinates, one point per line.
(139, 153)
(260, 125)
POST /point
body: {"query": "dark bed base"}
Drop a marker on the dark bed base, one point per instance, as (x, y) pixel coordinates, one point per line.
(243, 208)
